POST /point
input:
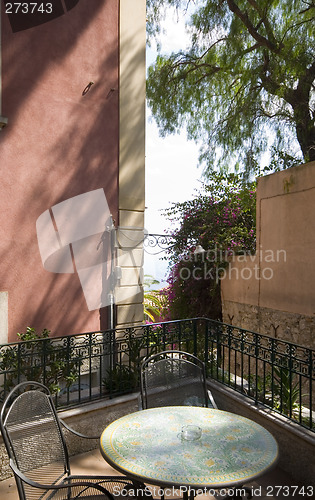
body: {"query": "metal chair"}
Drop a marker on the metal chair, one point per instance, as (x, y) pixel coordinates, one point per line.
(174, 378)
(33, 437)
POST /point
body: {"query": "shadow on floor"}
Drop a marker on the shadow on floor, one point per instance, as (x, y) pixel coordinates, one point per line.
(274, 485)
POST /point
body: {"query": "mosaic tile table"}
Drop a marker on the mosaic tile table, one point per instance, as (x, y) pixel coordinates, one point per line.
(147, 445)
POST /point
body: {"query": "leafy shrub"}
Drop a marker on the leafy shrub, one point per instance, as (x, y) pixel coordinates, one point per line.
(210, 230)
(37, 358)
(121, 379)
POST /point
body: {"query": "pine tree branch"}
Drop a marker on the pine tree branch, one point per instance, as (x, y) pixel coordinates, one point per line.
(310, 6)
(197, 64)
(271, 85)
(263, 20)
(243, 16)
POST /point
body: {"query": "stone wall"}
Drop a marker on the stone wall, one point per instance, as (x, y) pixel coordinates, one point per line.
(292, 327)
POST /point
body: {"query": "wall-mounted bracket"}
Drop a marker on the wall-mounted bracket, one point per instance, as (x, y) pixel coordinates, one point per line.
(3, 122)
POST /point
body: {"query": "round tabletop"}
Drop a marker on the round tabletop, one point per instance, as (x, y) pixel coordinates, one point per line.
(147, 445)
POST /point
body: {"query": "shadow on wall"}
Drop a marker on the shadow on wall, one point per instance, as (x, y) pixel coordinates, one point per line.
(62, 140)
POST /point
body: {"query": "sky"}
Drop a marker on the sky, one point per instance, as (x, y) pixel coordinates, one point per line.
(172, 173)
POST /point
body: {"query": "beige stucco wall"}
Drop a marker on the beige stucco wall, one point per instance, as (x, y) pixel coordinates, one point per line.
(273, 292)
(131, 161)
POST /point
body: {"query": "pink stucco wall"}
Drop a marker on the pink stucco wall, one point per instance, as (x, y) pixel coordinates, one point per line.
(58, 144)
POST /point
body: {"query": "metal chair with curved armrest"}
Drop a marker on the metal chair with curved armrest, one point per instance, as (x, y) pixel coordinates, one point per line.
(33, 437)
(174, 378)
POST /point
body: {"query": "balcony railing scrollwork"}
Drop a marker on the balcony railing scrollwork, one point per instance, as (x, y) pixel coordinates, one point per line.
(79, 368)
(155, 244)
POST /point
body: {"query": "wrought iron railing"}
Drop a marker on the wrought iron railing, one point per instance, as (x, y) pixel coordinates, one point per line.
(274, 372)
(90, 366)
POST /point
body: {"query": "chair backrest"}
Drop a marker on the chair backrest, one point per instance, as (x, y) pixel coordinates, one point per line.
(33, 438)
(173, 378)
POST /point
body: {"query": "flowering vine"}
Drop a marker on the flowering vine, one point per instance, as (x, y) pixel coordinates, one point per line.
(210, 229)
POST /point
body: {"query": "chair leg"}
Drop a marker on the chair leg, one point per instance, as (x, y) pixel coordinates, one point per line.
(248, 492)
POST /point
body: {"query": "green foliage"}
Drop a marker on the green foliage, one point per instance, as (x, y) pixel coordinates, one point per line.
(124, 376)
(152, 305)
(245, 85)
(154, 300)
(286, 389)
(37, 358)
(121, 379)
(149, 280)
(280, 161)
(258, 386)
(222, 220)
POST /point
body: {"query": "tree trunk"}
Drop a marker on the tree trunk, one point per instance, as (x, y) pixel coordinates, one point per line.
(305, 126)
(305, 131)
